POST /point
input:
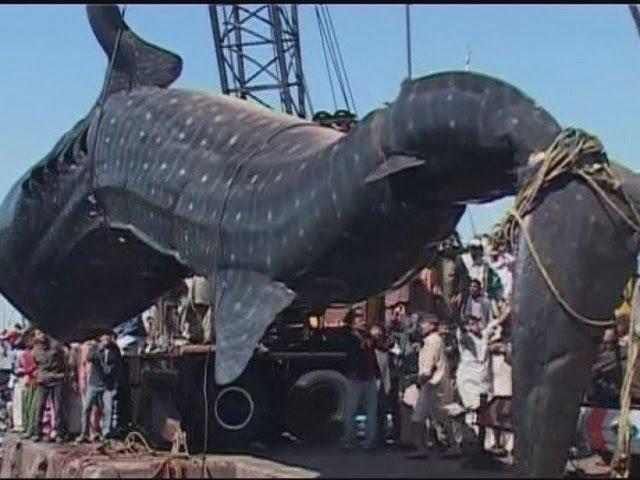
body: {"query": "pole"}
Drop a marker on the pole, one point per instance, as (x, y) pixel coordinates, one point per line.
(408, 22)
(467, 62)
(473, 225)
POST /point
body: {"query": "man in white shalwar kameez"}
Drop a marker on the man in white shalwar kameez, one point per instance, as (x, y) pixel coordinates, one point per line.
(473, 377)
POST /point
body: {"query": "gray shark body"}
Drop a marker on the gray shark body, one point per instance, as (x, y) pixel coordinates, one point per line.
(155, 184)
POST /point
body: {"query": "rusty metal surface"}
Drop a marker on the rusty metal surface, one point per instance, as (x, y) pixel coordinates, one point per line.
(22, 459)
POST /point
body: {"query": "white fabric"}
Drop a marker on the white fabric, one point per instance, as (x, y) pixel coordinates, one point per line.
(501, 374)
(432, 360)
(16, 405)
(383, 364)
(474, 375)
(503, 266)
(437, 392)
(433, 402)
(410, 397)
(199, 291)
(476, 272)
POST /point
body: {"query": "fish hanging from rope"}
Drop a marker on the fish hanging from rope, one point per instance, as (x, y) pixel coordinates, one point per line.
(155, 184)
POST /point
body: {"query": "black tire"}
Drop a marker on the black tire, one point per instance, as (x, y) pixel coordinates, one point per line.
(316, 406)
(239, 412)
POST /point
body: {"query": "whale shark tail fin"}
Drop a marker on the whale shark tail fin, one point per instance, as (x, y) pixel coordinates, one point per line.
(137, 63)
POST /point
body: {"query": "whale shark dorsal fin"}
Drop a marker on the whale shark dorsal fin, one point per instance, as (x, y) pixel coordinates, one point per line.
(137, 63)
(246, 302)
(393, 164)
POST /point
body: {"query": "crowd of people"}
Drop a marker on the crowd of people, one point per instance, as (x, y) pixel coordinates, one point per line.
(436, 357)
(441, 351)
(50, 391)
(53, 390)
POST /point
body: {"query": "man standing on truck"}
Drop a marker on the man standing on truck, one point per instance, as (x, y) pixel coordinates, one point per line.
(362, 373)
(103, 383)
(50, 376)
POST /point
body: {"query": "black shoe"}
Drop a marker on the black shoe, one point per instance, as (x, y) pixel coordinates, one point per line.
(36, 438)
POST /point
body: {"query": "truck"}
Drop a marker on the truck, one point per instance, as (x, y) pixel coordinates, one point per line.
(299, 368)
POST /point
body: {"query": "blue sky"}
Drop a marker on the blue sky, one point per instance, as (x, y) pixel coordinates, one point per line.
(581, 63)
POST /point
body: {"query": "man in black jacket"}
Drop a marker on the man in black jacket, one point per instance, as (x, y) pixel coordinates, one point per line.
(103, 383)
(362, 373)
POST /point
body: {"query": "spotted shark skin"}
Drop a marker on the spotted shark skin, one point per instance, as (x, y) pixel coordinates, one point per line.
(157, 183)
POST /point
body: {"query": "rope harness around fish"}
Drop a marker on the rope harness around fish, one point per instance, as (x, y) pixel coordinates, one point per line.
(574, 152)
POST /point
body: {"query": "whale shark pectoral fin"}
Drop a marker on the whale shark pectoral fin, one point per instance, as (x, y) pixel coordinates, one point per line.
(246, 302)
(392, 165)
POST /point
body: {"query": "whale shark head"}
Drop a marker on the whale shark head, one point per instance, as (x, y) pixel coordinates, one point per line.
(473, 133)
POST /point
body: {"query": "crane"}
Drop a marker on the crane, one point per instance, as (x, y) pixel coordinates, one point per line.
(258, 53)
(259, 58)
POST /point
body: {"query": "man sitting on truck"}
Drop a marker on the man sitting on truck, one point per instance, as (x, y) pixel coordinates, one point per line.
(362, 373)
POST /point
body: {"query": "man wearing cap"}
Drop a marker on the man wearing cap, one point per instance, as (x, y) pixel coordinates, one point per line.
(435, 387)
(103, 384)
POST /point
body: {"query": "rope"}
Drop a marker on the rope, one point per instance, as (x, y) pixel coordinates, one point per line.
(620, 464)
(566, 155)
(545, 274)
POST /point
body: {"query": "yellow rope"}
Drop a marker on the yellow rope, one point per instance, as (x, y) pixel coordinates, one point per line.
(621, 460)
(545, 274)
(561, 159)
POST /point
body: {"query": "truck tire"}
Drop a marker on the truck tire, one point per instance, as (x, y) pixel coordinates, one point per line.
(316, 406)
(240, 412)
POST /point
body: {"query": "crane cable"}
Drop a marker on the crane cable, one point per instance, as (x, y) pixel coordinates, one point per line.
(333, 50)
(344, 69)
(326, 60)
(328, 36)
(332, 53)
(408, 29)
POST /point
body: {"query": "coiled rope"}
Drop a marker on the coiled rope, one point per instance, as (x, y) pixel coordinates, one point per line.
(575, 152)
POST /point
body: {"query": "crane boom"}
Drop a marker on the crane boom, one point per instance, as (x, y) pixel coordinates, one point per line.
(258, 54)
